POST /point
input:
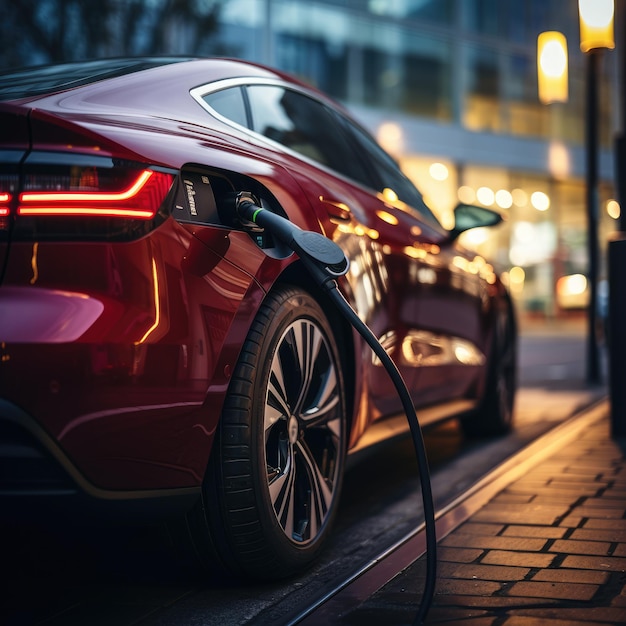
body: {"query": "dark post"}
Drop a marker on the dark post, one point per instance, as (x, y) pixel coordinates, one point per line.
(617, 334)
(593, 363)
(617, 260)
(620, 139)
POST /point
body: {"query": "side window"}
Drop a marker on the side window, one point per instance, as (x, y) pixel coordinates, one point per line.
(305, 126)
(229, 103)
(389, 175)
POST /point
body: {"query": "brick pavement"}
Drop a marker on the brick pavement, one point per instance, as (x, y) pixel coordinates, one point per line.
(548, 549)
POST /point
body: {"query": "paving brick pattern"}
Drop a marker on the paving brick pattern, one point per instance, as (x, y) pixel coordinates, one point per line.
(549, 549)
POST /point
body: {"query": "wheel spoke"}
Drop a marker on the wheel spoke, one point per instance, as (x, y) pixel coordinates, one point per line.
(320, 495)
(308, 342)
(277, 404)
(282, 494)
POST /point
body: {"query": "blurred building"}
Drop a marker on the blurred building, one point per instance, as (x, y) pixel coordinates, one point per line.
(449, 87)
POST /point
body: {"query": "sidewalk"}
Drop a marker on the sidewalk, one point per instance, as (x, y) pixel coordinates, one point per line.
(550, 548)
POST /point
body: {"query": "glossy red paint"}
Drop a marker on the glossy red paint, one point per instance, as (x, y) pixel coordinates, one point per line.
(126, 295)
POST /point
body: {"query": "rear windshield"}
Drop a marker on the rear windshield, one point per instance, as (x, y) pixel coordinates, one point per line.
(26, 82)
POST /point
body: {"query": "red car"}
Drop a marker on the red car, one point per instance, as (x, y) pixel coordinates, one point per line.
(158, 355)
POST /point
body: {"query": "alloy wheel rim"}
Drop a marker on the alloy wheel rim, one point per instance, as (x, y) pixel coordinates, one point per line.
(302, 431)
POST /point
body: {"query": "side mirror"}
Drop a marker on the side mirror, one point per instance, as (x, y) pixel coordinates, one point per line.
(467, 216)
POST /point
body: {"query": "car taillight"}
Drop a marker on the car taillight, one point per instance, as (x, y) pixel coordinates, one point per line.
(9, 180)
(5, 200)
(140, 200)
(106, 200)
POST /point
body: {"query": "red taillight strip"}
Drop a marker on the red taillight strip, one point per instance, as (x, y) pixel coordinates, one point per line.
(84, 210)
(141, 200)
(81, 196)
(5, 198)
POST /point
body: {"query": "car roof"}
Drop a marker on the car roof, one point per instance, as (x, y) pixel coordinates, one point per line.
(39, 82)
(149, 86)
(26, 82)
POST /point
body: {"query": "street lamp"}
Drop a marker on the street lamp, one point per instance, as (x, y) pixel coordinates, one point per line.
(552, 67)
(596, 25)
(596, 35)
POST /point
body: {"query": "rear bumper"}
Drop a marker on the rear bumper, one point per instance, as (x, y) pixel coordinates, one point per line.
(38, 479)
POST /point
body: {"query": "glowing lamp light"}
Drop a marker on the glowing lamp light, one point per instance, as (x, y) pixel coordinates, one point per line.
(438, 171)
(476, 236)
(612, 208)
(596, 24)
(391, 137)
(389, 195)
(573, 285)
(517, 278)
(520, 197)
(387, 217)
(504, 199)
(558, 160)
(466, 194)
(485, 196)
(540, 201)
(552, 67)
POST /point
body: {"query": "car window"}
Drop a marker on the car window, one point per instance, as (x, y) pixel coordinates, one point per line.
(305, 126)
(229, 103)
(388, 174)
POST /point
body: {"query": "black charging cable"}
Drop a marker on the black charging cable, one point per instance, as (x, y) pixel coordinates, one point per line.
(326, 261)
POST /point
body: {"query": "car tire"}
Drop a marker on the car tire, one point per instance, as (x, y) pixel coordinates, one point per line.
(277, 463)
(495, 413)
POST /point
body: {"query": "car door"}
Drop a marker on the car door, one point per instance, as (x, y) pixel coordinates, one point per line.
(447, 286)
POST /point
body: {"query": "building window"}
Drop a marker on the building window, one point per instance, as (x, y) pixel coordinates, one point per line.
(525, 115)
(321, 63)
(416, 79)
(481, 111)
(431, 10)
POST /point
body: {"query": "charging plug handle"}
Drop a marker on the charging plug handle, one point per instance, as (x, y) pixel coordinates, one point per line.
(308, 245)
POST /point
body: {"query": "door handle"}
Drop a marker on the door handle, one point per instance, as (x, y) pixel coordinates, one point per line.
(337, 210)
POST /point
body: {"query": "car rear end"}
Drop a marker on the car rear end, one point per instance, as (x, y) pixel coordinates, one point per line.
(103, 369)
